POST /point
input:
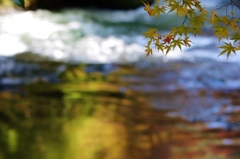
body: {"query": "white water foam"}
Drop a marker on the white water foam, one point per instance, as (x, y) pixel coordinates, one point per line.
(92, 36)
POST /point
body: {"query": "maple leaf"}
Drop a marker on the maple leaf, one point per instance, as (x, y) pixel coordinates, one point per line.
(178, 42)
(158, 36)
(214, 16)
(227, 48)
(235, 37)
(238, 47)
(181, 11)
(149, 42)
(191, 12)
(221, 32)
(148, 50)
(160, 47)
(167, 48)
(168, 39)
(157, 10)
(196, 31)
(173, 6)
(188, 4)
(198, 5)
(157, 1)
(225, 20)
(187, 41)
(197, 21)
(203, 11)
(181, 30)
(234, 25)
(148, 9)
(150, 33)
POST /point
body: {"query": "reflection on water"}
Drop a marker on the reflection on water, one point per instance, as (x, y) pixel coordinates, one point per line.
(95, 115)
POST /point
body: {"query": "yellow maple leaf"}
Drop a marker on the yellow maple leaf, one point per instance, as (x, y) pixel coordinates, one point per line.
(157, 1)
(148, 50)
(148, 9)
(227, 48)
(238, 47)
(221, 32)
(181, 11)
(187, 41)
(214, 16)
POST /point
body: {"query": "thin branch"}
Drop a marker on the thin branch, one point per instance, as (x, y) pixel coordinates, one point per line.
(237, 5)
(184, 19)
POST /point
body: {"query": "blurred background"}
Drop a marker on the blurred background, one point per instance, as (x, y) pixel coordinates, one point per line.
(75, 83)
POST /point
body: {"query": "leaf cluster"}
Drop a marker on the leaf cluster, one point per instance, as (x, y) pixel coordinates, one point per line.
(195, 18)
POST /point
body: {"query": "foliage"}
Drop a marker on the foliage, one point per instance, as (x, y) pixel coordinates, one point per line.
(195, 18)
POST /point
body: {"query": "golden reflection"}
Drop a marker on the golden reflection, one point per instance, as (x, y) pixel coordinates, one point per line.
(95, 138)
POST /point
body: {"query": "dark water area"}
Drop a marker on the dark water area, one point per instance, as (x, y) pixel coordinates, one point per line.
(116, 111)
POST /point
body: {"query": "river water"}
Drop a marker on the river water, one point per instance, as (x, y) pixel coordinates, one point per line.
(108, 36)
(193, 92)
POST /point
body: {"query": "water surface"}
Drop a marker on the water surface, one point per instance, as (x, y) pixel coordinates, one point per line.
(103, 99)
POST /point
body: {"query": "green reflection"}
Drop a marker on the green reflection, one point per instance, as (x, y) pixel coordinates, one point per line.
(12, 138)
(28, 127)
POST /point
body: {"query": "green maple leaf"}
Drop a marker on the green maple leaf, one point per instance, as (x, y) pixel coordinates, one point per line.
(181, 30)
(148, 50)
(197, 21)
(157, 10)
(227, 48)
(160, 47)
(173, 6)
(236, 37)
(221, 32)
(188, 4)
(150, 33)
(178, 42)
(191, 13)
(167, 48)
(187, 41)
(181, 11)
(196, 31)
